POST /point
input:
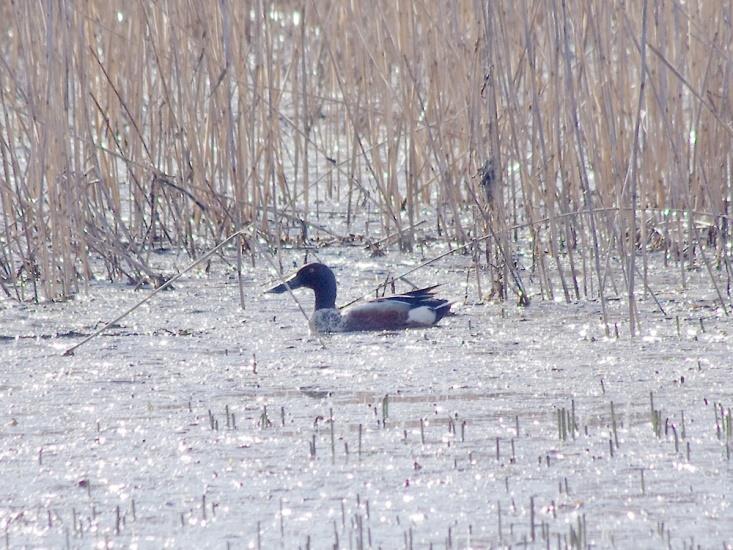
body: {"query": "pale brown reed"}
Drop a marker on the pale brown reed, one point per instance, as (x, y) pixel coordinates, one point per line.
(131, 126)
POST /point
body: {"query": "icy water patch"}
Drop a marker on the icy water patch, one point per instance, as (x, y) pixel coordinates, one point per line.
(196, 424)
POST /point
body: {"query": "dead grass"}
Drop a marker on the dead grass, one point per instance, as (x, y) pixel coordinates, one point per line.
(128, 127)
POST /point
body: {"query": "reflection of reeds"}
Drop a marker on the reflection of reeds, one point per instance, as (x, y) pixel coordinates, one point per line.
(132, 127)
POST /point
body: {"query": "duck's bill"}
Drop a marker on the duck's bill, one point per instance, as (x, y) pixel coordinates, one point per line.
(291, 282)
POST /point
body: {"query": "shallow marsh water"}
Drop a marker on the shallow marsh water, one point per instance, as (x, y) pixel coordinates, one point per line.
(196, 424)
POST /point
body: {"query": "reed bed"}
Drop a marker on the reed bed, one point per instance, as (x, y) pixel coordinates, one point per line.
(586, 134)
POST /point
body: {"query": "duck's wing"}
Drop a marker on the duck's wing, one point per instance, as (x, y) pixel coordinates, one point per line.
(427, 291)
(412, 297)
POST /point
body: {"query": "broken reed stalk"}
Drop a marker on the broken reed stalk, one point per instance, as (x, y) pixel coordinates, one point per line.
(383, 110)
(165, 285)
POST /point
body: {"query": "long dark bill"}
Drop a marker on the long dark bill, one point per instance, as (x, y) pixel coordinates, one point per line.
(293, 282)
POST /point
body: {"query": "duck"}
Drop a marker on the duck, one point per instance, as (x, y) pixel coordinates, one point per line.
(415, 309)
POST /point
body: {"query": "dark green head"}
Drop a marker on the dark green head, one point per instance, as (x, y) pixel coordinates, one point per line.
(319, 278)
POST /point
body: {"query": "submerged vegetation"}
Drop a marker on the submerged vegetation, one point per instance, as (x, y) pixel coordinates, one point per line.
(581, 134)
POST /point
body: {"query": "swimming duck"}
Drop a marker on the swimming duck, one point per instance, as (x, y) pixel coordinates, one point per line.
(418, 308)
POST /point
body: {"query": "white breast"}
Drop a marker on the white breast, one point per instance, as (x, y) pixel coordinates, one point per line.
(326, 320)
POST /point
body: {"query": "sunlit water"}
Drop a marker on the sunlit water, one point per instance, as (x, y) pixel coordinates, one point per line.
(197, 424)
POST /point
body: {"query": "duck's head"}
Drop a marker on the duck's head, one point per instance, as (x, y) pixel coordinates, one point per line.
(318, 277)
